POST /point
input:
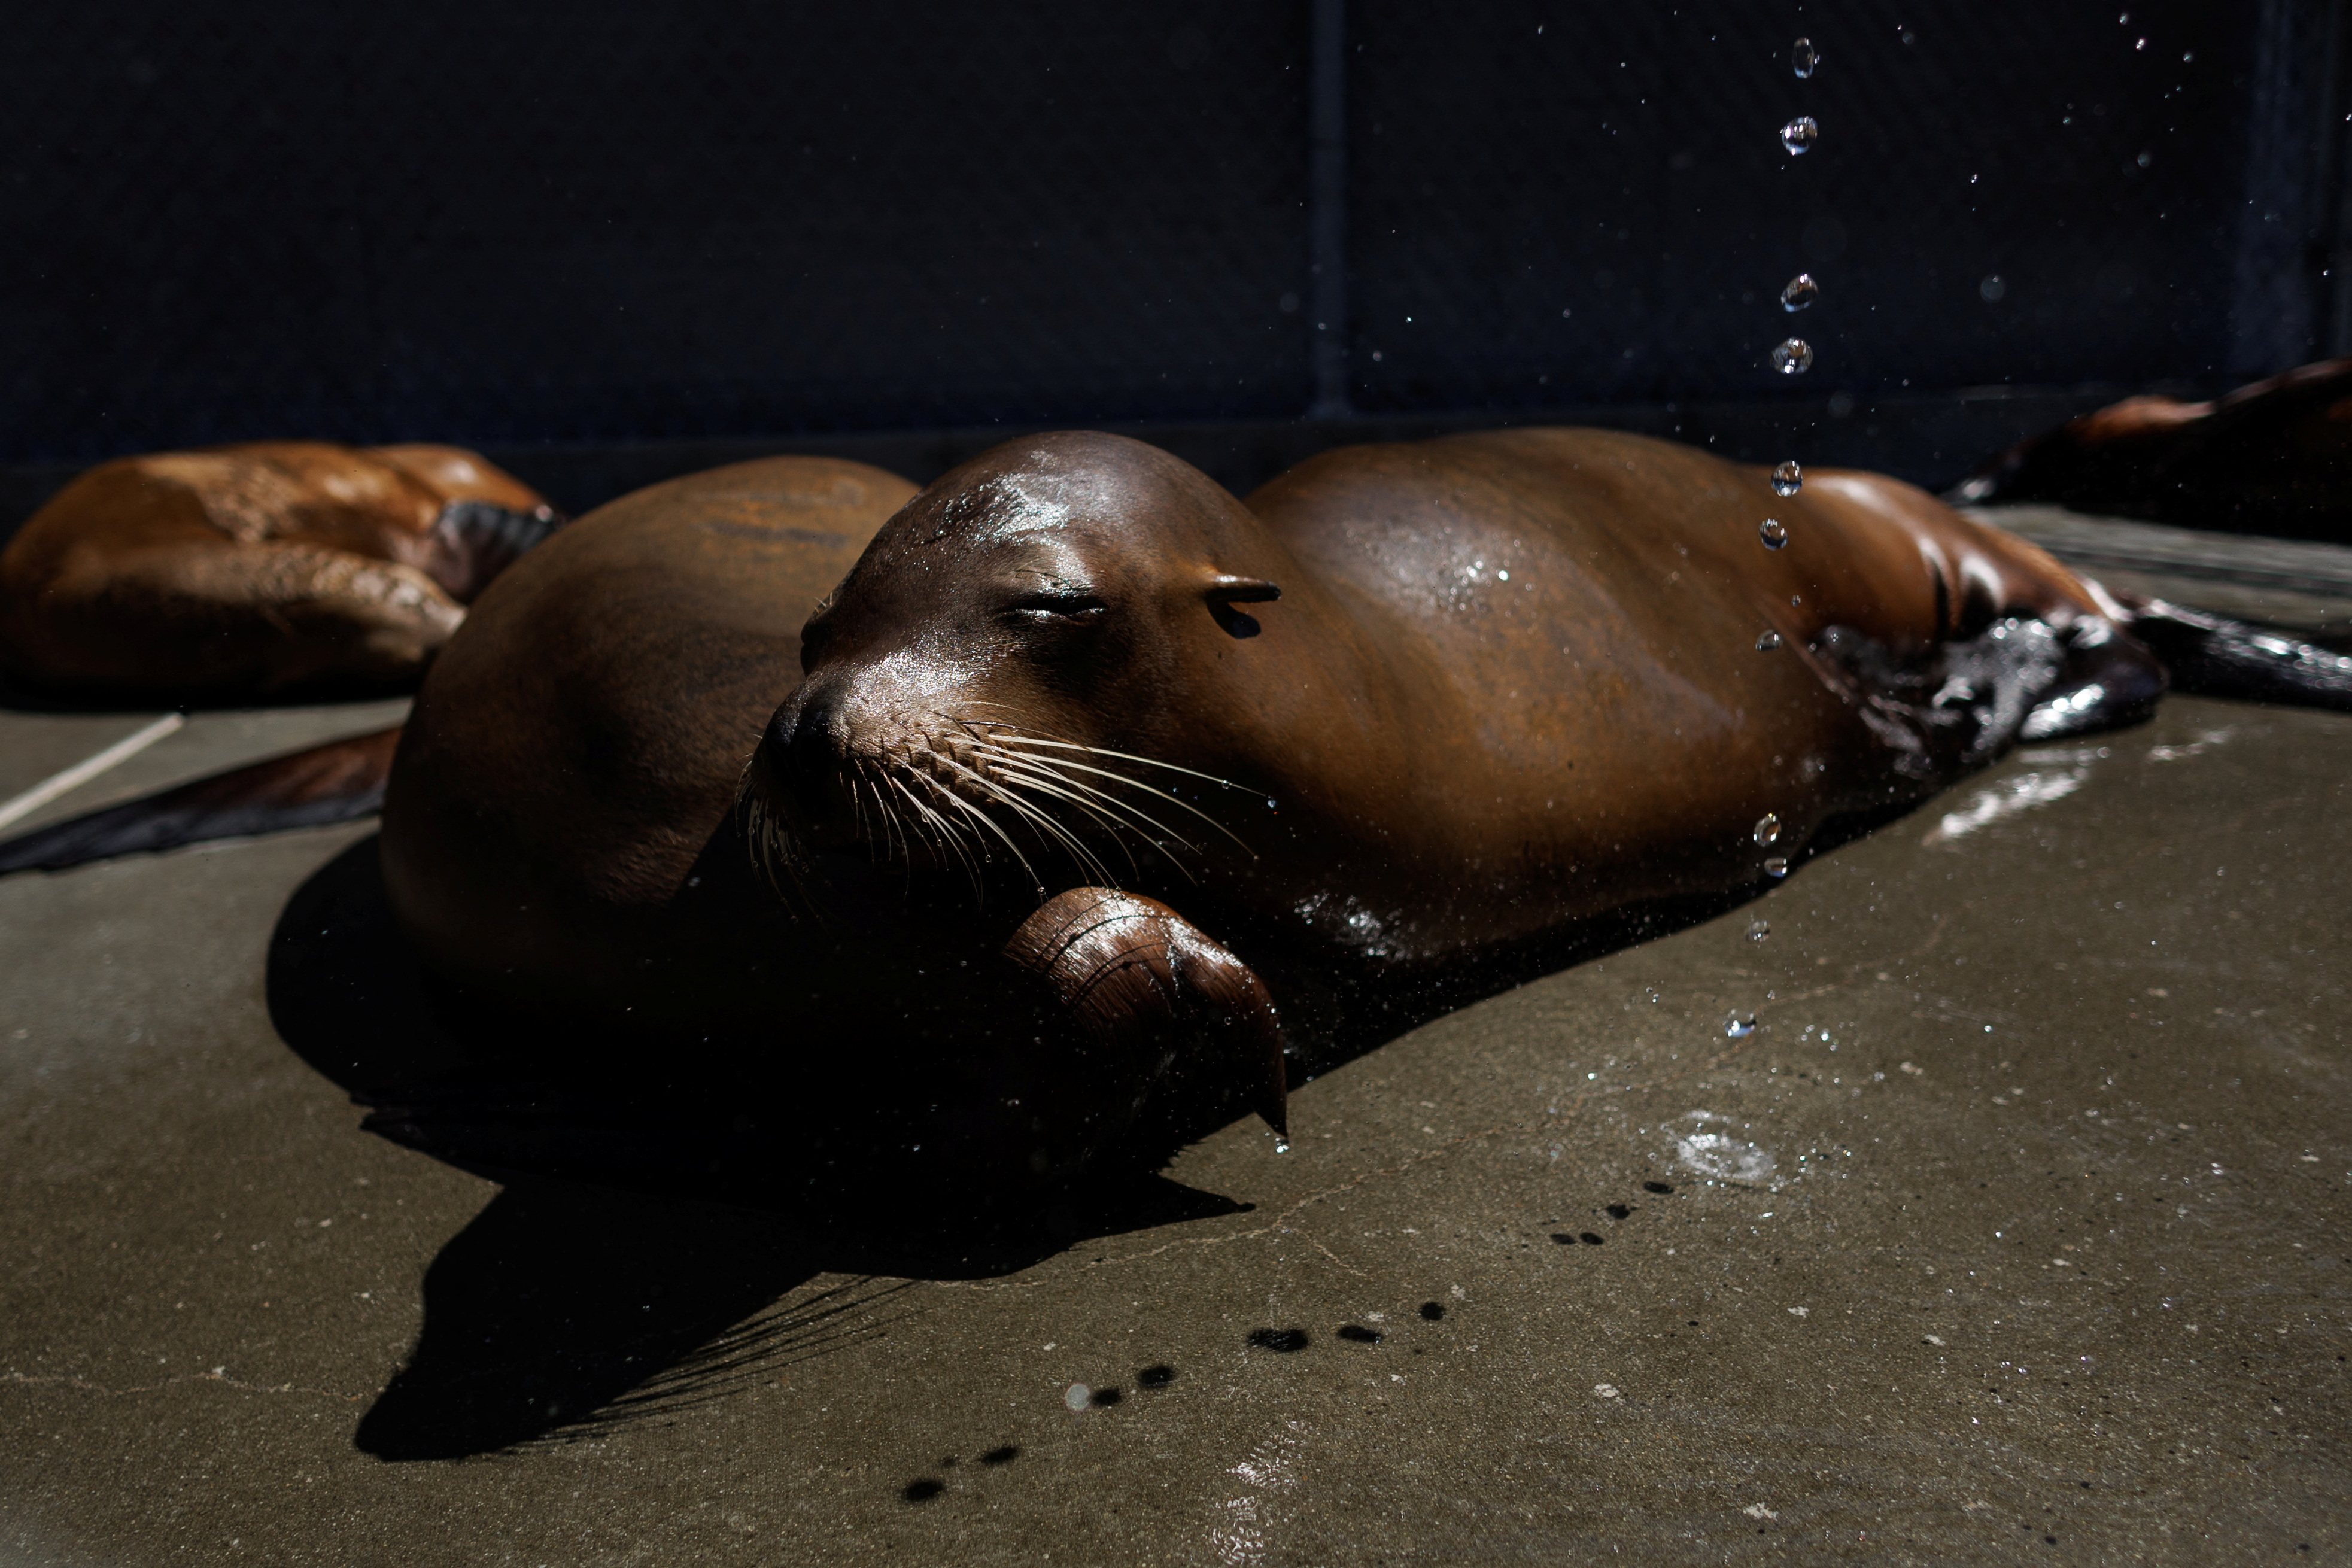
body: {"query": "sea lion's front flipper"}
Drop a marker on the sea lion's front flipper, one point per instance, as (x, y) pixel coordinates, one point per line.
(334, 782)
(1133, 973)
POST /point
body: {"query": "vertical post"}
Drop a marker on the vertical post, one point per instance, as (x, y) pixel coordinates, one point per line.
(2279, 302)
(1327, 206)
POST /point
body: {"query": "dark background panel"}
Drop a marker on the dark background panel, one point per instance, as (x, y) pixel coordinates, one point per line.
(1550, 196)
(608, 242)
(602, 221)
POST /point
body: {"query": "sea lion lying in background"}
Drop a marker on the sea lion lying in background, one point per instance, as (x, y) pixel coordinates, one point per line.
(2275, 458)
(1086, 767)
(259, 570)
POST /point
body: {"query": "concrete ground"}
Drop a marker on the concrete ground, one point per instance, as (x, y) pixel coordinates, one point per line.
(2016, 1228)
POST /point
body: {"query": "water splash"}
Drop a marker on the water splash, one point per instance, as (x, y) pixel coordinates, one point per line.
(1720, 1157)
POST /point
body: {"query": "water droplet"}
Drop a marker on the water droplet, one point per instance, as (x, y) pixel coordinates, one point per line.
(1767, 642)
(1777, 866)
(1077, 1397)
(1799, 292)
(1739, 1025)
(1788, 478)
(1799, 135)
(1768, 829)
(1759, 930)
(1281, 1144)
(1792, 356)
(1795, 600)
(1805, 58)
(1773, 533)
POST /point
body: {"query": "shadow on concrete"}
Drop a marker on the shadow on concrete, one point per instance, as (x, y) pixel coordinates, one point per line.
(656, 1210)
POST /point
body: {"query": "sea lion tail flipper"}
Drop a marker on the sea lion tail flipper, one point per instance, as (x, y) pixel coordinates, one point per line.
(2212, 656)
(1132, 972)
(475, 539)
(334, 782)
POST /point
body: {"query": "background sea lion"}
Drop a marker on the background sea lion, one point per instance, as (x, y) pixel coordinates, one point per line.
(2271, 457)
(256, 570)
(561, 846)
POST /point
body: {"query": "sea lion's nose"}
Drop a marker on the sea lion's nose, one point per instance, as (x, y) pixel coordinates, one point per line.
(802, 751)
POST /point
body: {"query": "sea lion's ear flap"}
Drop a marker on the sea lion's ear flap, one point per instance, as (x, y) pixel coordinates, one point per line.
(1225, 592)
(1229, 590)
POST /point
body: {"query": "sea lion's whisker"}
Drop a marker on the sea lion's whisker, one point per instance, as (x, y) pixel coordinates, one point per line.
(1117, 816)
(1031, 738)
(1043, 822)
(1112, 827)
(976, 814)
(1172, 800)
(945, 834)
(1042, 819)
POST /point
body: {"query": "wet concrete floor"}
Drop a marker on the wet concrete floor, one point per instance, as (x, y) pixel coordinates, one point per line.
(2017, 1228)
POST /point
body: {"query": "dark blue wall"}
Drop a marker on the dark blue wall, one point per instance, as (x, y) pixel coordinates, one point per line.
(592, 223)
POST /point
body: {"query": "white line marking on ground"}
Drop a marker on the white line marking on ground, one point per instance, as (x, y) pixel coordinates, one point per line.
(89, 768)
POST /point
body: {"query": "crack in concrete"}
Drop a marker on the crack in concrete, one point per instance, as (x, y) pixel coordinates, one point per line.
(63, 1381)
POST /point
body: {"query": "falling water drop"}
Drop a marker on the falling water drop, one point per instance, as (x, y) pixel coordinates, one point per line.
(1800, 134)
(1767, 642)
(1768, 829)
(1281, 1144)
(1805, 58)
(1773, 533)
(1739, 1025)
(1777, 866)
(1798, 292)
(1788, 478)
(1792, 356)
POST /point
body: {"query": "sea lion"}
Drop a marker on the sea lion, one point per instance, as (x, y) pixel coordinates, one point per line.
(2272, 458)
(1484, 686)
(248, 571)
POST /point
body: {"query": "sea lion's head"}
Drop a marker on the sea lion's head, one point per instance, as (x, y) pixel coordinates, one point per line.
(1007, 670)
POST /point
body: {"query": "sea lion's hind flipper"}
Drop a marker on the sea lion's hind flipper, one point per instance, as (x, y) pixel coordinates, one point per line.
(2105, 680)
(1136, 976)
(473, 540)
(334, 782)
(2212, 656)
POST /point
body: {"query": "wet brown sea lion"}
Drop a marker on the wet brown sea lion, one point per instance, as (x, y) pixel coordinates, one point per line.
(2272, 458)
(1486, 687)
(255, 570)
